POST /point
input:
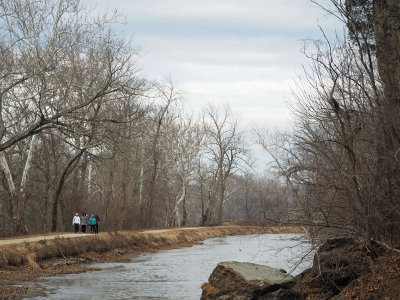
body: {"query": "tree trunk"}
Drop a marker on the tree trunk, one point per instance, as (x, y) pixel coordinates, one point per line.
(69, 167)
(184, 212)
(182, 199)
(10, 183)
(203, 214)
(214, 195)
(82, 178)
(124, 187)
(141, 175)
(18, 196)
(221, 197)
(246, 195)
(46, 197)
(387, 36)
(109, 193)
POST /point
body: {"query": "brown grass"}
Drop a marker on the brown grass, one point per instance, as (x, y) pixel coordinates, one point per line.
(135, 241)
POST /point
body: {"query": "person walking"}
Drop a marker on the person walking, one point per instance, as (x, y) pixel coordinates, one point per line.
(76, 221)
(96, 228)
(84, 222)
(92, 223)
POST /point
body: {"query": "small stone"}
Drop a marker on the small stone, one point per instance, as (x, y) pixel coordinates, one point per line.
(119, 252)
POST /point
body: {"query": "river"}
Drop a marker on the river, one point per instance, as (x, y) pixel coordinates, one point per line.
(173, 274)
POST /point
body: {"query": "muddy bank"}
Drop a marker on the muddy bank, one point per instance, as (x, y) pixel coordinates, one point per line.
(343, 268)
(29, 261)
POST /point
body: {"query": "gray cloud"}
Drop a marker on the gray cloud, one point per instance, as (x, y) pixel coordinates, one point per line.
(241, 52)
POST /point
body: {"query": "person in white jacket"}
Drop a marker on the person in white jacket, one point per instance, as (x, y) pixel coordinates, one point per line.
(76, 221)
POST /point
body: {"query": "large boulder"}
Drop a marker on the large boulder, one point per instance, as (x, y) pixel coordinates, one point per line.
(238, 280)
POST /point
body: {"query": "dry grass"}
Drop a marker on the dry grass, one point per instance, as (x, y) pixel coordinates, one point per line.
(29, 261)
(134, 241)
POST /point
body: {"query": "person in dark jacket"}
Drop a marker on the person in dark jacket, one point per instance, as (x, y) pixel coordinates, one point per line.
(92, 223)
(84, 222)
(96, 228)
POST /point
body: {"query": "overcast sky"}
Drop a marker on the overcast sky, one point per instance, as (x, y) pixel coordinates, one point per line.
(242, 52)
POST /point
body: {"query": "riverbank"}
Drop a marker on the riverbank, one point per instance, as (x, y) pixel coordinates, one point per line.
(24, 260)
(343, 268)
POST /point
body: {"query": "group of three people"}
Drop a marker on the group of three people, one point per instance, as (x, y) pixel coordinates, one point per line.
(83, 222)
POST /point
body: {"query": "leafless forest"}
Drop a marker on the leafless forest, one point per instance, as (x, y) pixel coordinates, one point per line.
(82, 130)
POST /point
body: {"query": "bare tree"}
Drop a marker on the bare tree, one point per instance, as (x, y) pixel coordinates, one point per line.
(225, 150)
(185, 147)
(58, 61)
(168, 95)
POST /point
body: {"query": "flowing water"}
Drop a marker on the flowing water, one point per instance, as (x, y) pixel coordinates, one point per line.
(173, 274)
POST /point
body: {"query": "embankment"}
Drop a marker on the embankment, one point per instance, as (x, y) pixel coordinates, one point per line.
(343, 268)
(49, 257)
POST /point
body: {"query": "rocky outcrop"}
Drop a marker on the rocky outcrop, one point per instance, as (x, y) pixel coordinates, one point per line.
(338, 264)
(237, 280)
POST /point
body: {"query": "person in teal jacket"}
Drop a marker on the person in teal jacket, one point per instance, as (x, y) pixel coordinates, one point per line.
(92, 223)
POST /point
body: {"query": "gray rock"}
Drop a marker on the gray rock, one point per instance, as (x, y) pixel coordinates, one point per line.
(256, 272)
(237, 280)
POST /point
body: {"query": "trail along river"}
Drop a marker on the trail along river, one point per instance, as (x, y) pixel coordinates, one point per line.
(174, 274)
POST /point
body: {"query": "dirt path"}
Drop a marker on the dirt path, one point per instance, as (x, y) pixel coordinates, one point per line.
(40, 238)
(75, 235)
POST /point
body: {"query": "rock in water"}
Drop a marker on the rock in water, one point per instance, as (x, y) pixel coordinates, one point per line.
(238, 280)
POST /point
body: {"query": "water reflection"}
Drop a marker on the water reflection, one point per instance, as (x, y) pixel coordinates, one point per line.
(172, 274)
